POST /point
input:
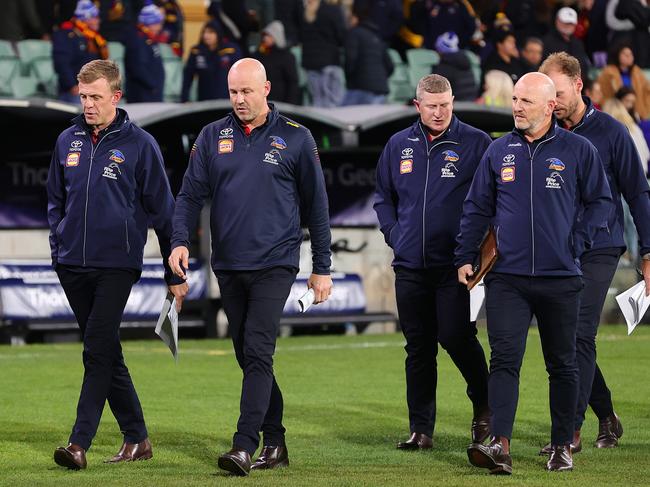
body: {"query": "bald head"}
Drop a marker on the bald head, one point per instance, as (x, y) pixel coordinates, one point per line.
(533, 102)
(248, 89)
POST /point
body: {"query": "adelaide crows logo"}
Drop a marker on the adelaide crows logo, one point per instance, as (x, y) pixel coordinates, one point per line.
(555, 164)
(450, 156)
(117, 156)
(278, 142)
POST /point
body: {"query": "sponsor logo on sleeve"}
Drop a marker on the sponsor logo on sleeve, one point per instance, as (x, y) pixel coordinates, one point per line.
(406, 166)
(226, 146)
(72, 160)
(508, 174)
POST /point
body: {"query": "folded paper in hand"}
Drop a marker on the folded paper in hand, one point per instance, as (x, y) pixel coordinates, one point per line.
(306, 300)
(476, 300)
(487, 258)
(633, 303)
(167, 326)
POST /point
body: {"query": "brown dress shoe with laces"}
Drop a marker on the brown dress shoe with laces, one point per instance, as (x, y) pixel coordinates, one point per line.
(417, 441)
(272, 457)
(610, 430)
(481, 425)
(491, 456)
(71, 456)
(576, 446)
(236, 461)
(131, 452)
(560, 459)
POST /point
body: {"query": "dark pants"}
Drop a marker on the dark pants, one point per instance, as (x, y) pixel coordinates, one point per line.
(98, 298)
(253, 302)
(511, 302)
(434, 308)
(598, 268)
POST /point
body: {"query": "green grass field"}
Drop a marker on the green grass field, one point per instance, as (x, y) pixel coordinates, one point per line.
(344, 411)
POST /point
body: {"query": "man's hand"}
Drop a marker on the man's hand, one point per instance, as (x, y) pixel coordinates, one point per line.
(180, 257)
(179, 291)
(322, 286)
(464, 273)
(645, 270)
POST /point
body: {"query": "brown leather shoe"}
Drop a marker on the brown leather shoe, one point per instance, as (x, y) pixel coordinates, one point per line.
(481, 425)
(417, 441)
(236, 461)
(610, 430)
(490, 456)
(131, 452)
(576, 446)
(71, 456)
(272, 457)
(560, 459)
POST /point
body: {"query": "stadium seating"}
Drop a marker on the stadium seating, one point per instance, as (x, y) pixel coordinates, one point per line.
(6, 49)
(173, 79)
(399, 88)
(36, 62)
(302, 74)
(420, 62)
(475, 63)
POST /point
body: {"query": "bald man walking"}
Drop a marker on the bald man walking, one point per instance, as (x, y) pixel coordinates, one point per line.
(262, 174)
(529, 185)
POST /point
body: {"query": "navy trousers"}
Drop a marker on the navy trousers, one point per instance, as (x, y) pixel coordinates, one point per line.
(598, 268)
(434, 308)
(98, 298)
(511, 302)
(253, 302)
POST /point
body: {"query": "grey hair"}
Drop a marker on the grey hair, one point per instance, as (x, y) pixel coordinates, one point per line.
(432, 83)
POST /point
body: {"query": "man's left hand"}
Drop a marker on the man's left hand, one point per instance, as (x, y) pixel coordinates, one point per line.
(322, 286)
(645, 270)
(179, 291)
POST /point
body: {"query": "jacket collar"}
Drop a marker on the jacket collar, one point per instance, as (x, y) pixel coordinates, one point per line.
(452, 133)
(587, 117)
(549, 133)
(271, 118)
(121, 121)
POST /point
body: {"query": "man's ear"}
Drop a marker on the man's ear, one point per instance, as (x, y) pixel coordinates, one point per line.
(117, 96)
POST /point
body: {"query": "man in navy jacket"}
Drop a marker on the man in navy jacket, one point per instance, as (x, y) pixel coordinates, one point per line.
(423, 176)
(106, 181)
(626, 178)
(529, 185)
(262, 175)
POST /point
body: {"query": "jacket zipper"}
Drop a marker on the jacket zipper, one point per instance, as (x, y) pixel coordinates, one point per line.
(93, 150)
(532, 216)
(426, 185)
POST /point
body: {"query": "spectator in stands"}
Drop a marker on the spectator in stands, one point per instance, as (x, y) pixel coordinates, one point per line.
(210, 60)
(119, 17)
(449, 16)
(532, 52)
(622, 71)
(280, 65)
(145, 73)
(562, 38)
(322, 33)
(74, 44)
(367, 63)
(411, 33)
(387, 15)
(617, 108)
(289, 12)
(19, 20)
(506, 56)
(235, 19)
(592, 90)
(172, 31)
(498, 88)
(627, 96)
(456, 67)
(629, 21)
(53, 13)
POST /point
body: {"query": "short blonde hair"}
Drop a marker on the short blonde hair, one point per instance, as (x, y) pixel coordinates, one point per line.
(432, 83)
(498, 89)
(99, 68)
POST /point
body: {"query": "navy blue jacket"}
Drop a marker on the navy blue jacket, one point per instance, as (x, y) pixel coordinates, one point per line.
(624, 173)
(145, 73)
(70, 51)
(260, 186)
(420, 190)
(101, 196)
(532, 194)
(212, 68)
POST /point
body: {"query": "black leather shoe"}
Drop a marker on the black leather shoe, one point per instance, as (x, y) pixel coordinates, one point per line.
(130, 452)
(548, 448)
(610, 430)
(481, 426)
(417, 441)
(236, 461)
(490, 456)
(272, 457)
(71, 456)
(560, 459)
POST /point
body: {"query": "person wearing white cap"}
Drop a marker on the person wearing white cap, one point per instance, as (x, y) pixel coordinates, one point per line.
(562, 38)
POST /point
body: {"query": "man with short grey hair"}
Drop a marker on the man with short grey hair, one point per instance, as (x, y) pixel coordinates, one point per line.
(423, 176)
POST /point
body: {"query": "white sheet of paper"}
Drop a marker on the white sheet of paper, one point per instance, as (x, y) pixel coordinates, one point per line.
(306, 300)
(167, 326)
(476, 300)
(633, 303)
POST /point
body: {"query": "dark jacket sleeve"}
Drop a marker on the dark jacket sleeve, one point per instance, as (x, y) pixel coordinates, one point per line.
(135, 60)
(314, 207)
(188, 76)
(479, 208)
(156, 197)
(595, 196)
(194, 190)
(633, 185)
(63, 57)
(385, 195)
(56, 197)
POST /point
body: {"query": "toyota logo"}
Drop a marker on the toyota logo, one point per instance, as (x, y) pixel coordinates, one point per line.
(227, 131)
(407, 152)
(76, 144)
(509, 158)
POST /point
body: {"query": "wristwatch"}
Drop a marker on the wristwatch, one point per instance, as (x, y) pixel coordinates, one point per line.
(645, 256)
